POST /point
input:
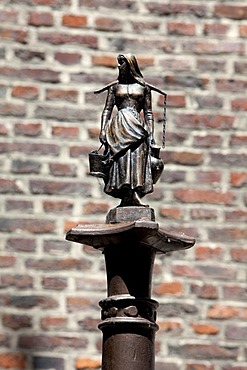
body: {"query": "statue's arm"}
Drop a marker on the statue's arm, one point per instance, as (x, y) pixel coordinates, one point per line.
(148, 114)
(106, 114)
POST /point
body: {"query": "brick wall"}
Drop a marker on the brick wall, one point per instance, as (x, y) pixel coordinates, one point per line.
(53, 55)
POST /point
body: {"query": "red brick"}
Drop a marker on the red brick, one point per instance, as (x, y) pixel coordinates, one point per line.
(68, 264)
(139, 26)
(38, 19)
(25, 92)
(239, 254)
(238, 140)
(56, 38)
(207, 141)
(220, 272)
(19, 205)
(74, 21)
(236, 216)
(21, 245)
(231, 11)
(243, 30)
(175, 101)
(207, 291)
(3, 129)
(239, 104)
(108, 24)
(16, 281)
(68, 58)
(171, 213)
(87, 363)
(53, 323)
(104, 60)
(170, 326)
(28, 129)
(174, 288)
(95, 208)
(203, 214)
(7, 261)
(216, 29)
(212, 47)
(54, 283)
(16, 322)
(205, 351)
(11, 109)
(75, 304)
(8, 16)
(177, 8)
(183, 158)
(238, 179)
(205, 328)
(56, 247)
(207, 177)
(49, 343)
(62, 95)
(10, 360)
(204, 196)
(65, 132)
(208, 253)
(197, 366)
(207, 121)
(59, 187)
(222, 312)
(181, 28)
(231, 85)
(17, 35)
(9, 187)
(35, 226)
(58, 207)
(227, 234)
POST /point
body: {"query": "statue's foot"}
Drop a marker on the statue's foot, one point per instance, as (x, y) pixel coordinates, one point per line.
(137, 201)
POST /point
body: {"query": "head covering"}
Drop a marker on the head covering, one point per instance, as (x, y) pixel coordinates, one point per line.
(134, 68)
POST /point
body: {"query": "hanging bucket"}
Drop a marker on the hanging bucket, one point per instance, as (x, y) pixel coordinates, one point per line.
(99, 164)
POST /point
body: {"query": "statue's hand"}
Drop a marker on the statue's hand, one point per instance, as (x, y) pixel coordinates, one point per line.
(102, 137)
(151, 140)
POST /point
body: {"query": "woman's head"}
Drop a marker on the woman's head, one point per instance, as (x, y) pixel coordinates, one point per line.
(128, 67)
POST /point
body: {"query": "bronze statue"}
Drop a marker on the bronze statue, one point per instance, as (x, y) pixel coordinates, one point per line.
(131, 159)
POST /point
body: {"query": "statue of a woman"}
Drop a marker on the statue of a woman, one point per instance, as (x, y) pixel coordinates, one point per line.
(129, 135)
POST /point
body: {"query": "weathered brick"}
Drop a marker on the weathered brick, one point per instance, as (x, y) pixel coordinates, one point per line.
(56, 38)
(57, 187)
(203, 252)
(21, 245)
(95, 208)
(49, 343)
(25, 92)
(64, 113)
(211, 121)
(74, 21)
(218, 272)
(207, 141)
(54, 283)
(176, 8)
(13, 360)
(239, 104)
(239, 254)
(28, 55)
(181, 28)
(3, 129)
(58, 264)
(16, 322)
(7, 261)
(108, 24)
(28, 129)
(204, 196)
(11, 109)
(203, 214)
(238, 140)
(53, 323)
(68, 58)
(19, 205)
(43, 362)
(69, 95)
(58, 207)
(30, 301)
(235, 292)
(215, 29)
(174, 288)
(56, 246)
(35, 226)
(10, 187)
(207, 291)
(231, 11)
(40, 19)
(204, 351)
(184, 158)
(236, 332)
(8, 15)
(177, 309)
(25, 166)
(13, 34)
(227, 234)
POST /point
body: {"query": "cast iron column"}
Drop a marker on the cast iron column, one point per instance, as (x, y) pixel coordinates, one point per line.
(129, 239)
